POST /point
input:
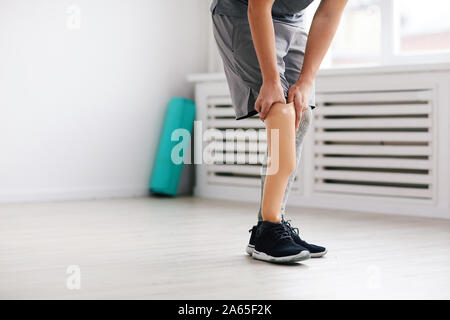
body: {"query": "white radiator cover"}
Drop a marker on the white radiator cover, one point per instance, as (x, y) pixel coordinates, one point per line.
(375, 143)
(379, 142)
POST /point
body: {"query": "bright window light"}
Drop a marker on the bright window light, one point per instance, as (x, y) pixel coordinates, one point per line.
(423, 26)
(358, 39)
(387, 32)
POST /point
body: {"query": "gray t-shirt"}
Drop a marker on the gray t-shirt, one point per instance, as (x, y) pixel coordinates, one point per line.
(286, 11)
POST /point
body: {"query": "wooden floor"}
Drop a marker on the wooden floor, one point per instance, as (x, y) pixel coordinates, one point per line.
(188, 248)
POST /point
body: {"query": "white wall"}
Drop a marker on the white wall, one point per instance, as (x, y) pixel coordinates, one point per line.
(81, 108)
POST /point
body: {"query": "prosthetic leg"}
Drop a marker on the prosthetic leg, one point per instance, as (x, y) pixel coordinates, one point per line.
(281, 158)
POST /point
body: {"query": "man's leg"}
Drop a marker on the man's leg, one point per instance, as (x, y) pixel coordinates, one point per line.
(299, 137)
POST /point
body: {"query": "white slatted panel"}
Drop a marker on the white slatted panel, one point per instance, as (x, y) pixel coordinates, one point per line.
(374, 144)
(239, 154)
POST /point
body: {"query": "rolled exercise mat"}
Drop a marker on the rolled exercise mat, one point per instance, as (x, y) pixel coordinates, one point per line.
(166, 174)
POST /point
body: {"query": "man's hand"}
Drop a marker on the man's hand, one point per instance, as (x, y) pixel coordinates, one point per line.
(269, 94)
(263, 35)
(299, 94)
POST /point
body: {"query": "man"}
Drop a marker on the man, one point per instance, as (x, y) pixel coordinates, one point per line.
(270, 63)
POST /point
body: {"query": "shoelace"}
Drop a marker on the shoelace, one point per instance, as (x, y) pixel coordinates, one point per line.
(287, 223)
(281, 233)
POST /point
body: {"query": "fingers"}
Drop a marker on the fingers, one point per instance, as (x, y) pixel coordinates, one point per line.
(290, 96)
(264, 110)
(258, 104)
(298, 118)
(298, 111)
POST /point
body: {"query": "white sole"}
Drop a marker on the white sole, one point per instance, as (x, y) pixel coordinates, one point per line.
(304, 255)
(319, 254)
(249, 249)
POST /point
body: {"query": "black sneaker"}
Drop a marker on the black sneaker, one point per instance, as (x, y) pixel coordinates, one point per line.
(273, 243)
(316, 251)
(251, 244)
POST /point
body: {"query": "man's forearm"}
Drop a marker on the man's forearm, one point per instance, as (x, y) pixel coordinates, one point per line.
(261, 25)
(322, 31)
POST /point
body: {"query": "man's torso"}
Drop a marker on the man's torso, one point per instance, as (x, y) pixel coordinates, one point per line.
(286, 11)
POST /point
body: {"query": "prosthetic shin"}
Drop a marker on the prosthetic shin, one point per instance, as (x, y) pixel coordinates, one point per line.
(281, 158)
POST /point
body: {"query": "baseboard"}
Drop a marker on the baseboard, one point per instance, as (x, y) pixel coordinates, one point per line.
(350, 203)
(71, 194)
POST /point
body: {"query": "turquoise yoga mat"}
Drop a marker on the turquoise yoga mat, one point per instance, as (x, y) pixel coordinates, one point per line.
(166, 174)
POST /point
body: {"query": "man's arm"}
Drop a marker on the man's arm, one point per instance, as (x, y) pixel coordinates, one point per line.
(323, 28)
(263, 35)
(321, 33)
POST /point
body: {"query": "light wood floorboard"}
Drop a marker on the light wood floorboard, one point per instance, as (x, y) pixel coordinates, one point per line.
(190, 248)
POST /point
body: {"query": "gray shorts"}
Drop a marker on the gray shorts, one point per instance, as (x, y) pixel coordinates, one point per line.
(241, 64)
